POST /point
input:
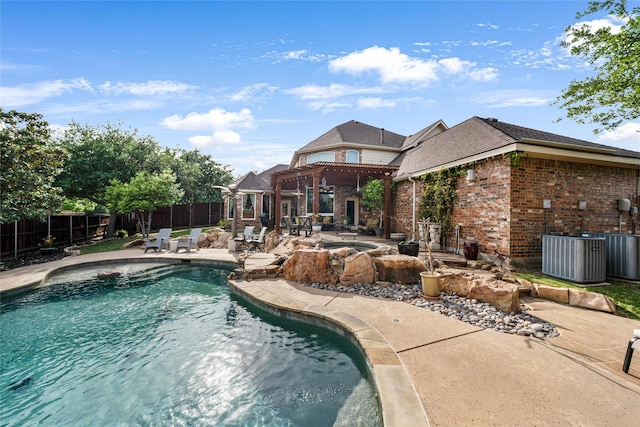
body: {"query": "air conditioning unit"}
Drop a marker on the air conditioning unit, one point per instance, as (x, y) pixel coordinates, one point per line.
(576, 259)
(623, 255)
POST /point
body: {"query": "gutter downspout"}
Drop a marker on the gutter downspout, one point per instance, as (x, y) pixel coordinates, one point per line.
(413, 212)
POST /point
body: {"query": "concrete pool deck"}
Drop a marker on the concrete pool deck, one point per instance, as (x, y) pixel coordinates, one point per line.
(461, 374)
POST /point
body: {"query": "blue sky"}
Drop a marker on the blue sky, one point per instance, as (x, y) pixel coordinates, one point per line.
(250, 82)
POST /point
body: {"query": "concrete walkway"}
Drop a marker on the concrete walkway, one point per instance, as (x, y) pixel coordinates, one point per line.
(463, 375)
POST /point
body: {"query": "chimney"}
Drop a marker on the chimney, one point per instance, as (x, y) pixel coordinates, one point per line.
(382, 136)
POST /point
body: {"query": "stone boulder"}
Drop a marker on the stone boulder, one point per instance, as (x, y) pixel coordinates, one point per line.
(271, 241)
(591, 300)
(218, 238)
(358, 269)
(309, 266)
(203, 242)
(403, 269)
(483, 287)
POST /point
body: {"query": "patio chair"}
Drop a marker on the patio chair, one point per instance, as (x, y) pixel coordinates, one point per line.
(634, 344)
(190, 241)
(254, 244)
(247, 235)
(293, 228)
(161, 242)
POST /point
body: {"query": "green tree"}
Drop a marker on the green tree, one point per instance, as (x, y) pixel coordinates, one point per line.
(29, 163)
(144, 193)
(373, 197)
(99, 155)
(613, 94)
(198, 174)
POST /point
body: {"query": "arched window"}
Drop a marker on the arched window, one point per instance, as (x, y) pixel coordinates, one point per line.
(353, 156)
(324, 156)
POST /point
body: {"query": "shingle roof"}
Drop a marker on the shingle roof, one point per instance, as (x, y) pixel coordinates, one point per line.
(253, 182)
(476, 136)
(356, 133)
(520, 133)
(266, 175)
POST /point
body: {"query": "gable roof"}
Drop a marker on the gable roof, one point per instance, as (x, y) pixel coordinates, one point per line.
(353, 133)
(253, 183)
(478, 138)
(415, 139)
(266, 175)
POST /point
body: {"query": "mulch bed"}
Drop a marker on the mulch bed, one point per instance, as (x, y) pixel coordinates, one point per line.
(29, 258)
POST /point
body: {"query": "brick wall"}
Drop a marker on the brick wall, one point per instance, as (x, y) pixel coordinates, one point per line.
(502, 209)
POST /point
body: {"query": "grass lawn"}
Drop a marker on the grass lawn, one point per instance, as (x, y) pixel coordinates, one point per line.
(118, 244)
(625, 294)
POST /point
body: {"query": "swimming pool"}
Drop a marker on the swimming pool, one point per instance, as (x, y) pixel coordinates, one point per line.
(171, 346)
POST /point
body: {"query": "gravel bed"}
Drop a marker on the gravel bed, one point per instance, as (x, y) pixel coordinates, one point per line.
(467, 310)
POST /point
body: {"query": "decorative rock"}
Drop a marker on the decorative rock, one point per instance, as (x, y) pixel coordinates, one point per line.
(401, 269)
(485, 288)
(309, 266)
(552, 293)
(591, 300)
(358, 268)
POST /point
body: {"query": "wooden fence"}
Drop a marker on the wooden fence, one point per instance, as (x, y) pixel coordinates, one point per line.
(27, 235)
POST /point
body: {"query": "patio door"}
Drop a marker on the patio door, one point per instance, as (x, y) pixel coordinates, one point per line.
(352, 209)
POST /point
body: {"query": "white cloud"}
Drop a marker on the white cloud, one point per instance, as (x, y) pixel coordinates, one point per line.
(391, 65)
(625, 136)
(489, 26)
(327, 107)
(33, 93)
(225, 126)
(376, 103)
(218, 139)
(334, 90)
(253, 91)
(150, 88)
(513, 98)
(395, 67)
(483, 74)
(297, 55)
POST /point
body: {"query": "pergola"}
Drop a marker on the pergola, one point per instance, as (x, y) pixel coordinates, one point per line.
(339, 174)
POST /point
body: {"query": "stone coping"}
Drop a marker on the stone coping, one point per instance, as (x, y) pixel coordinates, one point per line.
(398, 398)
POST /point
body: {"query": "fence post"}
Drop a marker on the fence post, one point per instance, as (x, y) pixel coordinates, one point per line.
(15, 239)
(70, 229)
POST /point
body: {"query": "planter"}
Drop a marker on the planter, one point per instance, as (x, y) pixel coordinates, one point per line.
(430, 284)
(47, 251)
(411, 248)
(316, 228)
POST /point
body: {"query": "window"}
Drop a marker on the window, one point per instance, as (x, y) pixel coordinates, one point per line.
(325, 156)
(266, 205)
(231, 208)
(352, 156)
(249, 206)
(326, 201)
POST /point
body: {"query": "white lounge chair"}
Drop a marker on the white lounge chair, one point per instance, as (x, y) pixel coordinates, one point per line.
(254, 244)
(634, 344)
(247, 235)
(189, 242)
(161, 242)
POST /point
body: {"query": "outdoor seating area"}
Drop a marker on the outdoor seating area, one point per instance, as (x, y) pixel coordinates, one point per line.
(161, 241)
(369, 226)
(190, 241)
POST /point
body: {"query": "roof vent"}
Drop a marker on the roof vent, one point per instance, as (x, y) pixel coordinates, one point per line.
(492, 119)
(382, 136)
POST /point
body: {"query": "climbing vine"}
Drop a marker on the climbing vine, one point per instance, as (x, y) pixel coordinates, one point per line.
(439, 195)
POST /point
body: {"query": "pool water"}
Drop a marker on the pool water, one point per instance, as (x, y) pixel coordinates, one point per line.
(172, 349)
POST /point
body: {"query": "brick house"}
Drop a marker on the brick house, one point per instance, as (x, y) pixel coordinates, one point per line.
(509, 174)
(510, 171)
